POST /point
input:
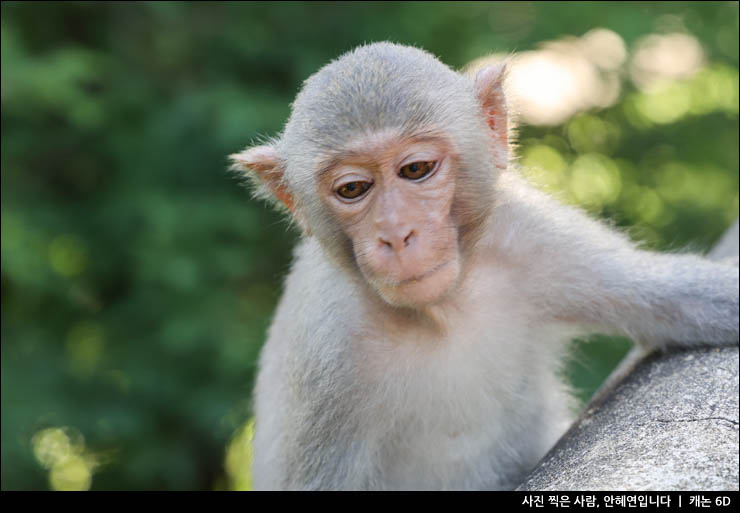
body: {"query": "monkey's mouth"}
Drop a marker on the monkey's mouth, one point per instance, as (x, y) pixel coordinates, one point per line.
(424, 288)
(418, 277)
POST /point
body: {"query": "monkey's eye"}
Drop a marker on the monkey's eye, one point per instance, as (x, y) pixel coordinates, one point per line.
(417, 170)
(353, 190)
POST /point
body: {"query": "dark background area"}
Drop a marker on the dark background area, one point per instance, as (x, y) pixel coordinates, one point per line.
(138, 277)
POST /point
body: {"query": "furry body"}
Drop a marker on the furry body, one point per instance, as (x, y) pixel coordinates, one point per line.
(453, 384)
(473, 398)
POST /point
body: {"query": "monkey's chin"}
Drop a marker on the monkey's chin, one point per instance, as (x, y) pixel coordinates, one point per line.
(427, 289)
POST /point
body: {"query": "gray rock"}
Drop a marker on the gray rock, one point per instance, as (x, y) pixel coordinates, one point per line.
(668, 421)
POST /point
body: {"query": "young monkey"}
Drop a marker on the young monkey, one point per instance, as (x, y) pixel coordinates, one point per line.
(419, 337)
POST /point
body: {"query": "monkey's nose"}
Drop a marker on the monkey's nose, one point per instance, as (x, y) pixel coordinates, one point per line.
(397, 241)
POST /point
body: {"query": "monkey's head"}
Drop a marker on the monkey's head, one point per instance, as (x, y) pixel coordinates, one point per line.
(389, 158)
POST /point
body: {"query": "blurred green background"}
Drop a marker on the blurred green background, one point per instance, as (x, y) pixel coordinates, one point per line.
(138, 277)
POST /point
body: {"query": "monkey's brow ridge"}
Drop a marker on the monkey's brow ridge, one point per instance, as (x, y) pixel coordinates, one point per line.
(349, 153)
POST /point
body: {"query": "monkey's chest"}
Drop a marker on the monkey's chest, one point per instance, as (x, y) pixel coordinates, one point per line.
(469, 411)
(472, 418)
(468, 428)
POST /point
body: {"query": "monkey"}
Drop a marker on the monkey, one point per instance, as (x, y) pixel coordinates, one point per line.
(422, 326)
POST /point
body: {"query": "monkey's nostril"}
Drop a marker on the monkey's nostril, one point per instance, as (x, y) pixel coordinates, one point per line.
(407, 239)
(384, 242)
(396, 242)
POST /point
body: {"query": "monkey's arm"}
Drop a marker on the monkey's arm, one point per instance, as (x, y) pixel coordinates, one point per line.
(580, 271)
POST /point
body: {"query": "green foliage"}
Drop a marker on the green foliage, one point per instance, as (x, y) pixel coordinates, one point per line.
(138, 278)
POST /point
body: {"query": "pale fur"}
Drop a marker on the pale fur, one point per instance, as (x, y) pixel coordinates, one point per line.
(464, 394)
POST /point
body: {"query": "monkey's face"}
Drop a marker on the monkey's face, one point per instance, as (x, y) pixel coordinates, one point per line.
(389, 159)
(393, 199)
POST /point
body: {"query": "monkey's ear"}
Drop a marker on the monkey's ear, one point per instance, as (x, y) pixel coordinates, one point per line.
(489, 86)
(266, 165)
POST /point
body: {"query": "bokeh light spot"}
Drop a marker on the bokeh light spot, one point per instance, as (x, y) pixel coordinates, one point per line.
(658, 58)
(605, 48)
(239, 457)
(588, 133)
(645, 205)
(85, 344)
(549, 85)
(665, 106)
(62, 451)
(50, 446)
(68, 255)
(595, 180)
(72, 474)
(544, 166)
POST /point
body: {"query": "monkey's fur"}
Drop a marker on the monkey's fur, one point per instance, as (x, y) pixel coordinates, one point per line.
(462, 393)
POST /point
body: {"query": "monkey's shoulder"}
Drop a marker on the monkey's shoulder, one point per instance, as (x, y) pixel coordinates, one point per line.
(316, 303)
